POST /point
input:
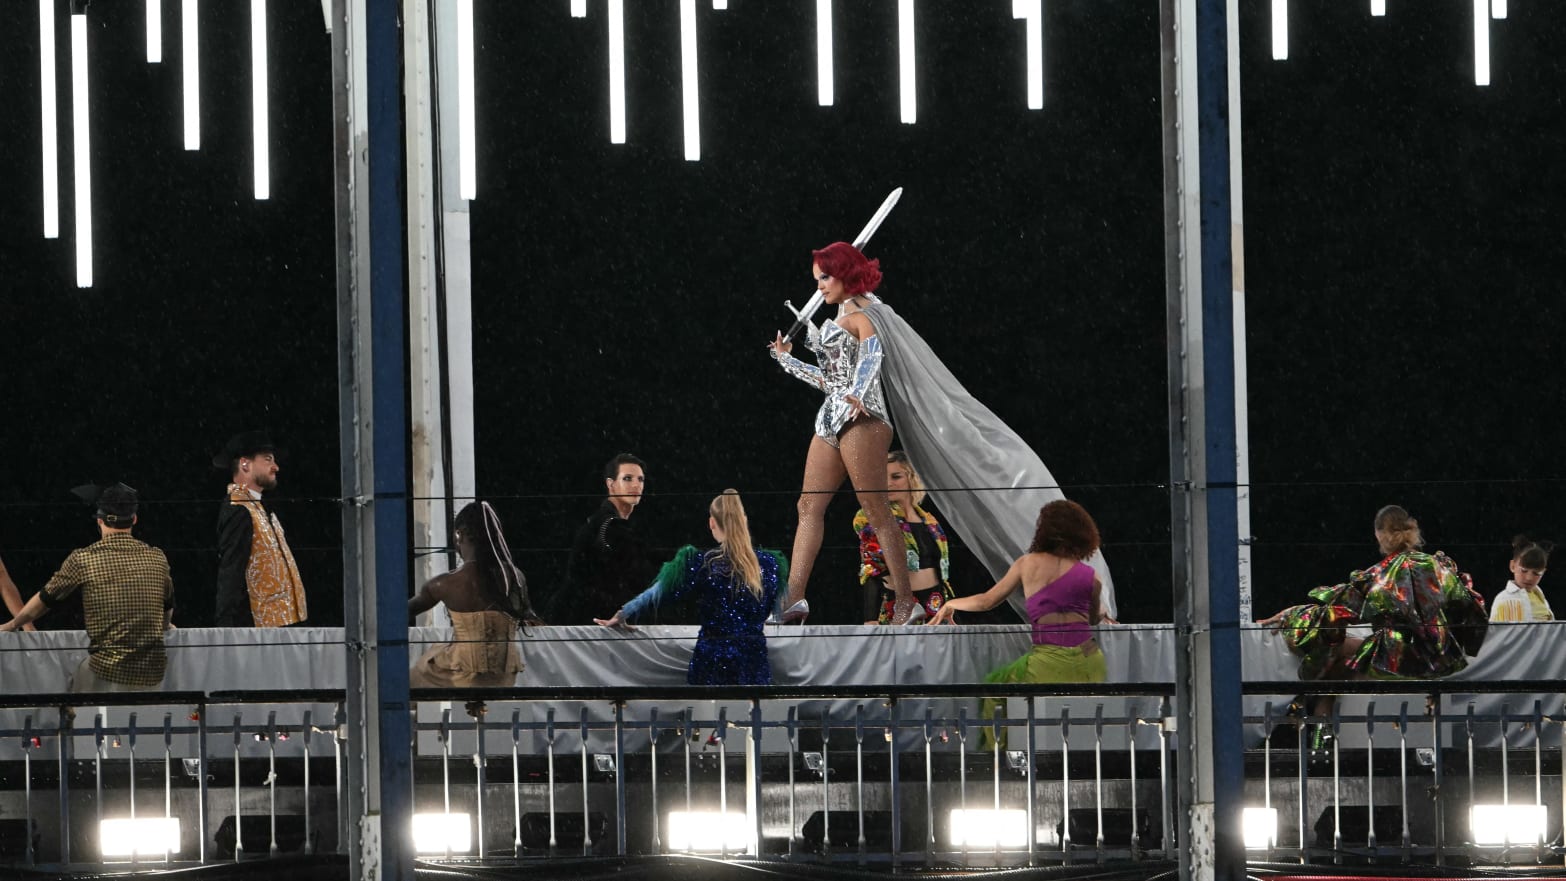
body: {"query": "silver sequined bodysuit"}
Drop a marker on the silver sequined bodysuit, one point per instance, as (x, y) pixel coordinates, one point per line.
(838, 352)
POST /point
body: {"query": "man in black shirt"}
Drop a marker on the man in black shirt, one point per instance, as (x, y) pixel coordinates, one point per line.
(609, 562)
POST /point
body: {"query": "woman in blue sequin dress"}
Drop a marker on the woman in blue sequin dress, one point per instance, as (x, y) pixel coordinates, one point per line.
(736, 588)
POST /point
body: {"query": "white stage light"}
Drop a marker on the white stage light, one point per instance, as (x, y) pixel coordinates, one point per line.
(1260, 827)
(154, 836)
(989, 828)
(720, 4)
(1378, 7)
(190, 63)
(1280, 30)
(709, 831)
(258, 91)
(50, 120)
(616, 71)
(690, 96)
(824, 52)
(905, 60)
(467, 129)
(83, 160)
(578, 8)
(442, 833)
(1032, 12)
(154, 31)
(1507, 824)
(1498, 8)
(1481, 42)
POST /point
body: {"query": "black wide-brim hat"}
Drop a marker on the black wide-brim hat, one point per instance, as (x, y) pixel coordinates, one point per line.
(245, 445)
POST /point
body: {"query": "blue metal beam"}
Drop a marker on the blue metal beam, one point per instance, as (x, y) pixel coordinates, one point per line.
(1222, 524)
(389, 402)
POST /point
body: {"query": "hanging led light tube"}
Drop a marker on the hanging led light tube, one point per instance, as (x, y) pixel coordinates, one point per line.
(616, 71)
(1280, 30)
(905, 61)
(154, 31)
(1481, 42)
(50, 120)
(467, 129)
(578, 8)
(689, 88)
(258, 90)
(824, 53)
(82, 164)
(1031, 12)
(1378, 7)
(190, 63)
(1498, 8)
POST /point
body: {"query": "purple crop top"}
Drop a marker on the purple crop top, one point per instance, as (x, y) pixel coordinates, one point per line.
(1071, 592)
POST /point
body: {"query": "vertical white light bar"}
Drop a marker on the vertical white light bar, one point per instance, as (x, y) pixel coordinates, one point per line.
(720, 4)
(1032, 12)
(467, 129)
(260, 121)
(688, 84)
(154, 31)
(1378, 7)
(617, 71)
(191, 65)
(1280, 30)
(50, 113)
(905, 60)
(82, 163)
(578, 8)
(1481, 42)
(1498, 8)
(824, 52)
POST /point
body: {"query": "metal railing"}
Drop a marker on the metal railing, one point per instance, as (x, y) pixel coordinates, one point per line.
(894, 775)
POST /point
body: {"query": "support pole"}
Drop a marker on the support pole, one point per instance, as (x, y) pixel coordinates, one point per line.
(1202, 451)
(373, 423)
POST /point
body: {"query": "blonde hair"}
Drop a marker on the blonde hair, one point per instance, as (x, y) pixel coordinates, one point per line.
(915, 484)
(1397, 531)
(729, 512)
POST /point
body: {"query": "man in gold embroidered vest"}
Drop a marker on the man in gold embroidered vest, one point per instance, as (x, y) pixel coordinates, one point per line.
(127, 598)
(258, 582)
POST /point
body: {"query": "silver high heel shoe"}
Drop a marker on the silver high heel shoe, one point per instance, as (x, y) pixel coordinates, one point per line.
(795, 614)
(916, 615)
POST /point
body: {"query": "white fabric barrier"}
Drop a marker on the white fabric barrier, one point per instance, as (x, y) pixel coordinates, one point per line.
(210, 660)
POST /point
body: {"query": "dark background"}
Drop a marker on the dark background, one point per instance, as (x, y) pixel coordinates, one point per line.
(1402, 255)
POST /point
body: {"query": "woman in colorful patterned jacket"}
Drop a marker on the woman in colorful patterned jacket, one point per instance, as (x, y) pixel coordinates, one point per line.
(923, 538)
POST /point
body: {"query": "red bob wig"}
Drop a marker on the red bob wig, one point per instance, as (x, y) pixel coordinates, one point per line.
(844, 261)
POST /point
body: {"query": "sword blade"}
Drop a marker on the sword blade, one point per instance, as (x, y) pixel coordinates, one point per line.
(816, 299)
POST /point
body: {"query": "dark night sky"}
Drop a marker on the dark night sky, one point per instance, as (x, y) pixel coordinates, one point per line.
(1403, 247)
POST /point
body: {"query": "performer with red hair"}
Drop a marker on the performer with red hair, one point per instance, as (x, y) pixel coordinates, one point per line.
(853, 431)
(876, 370)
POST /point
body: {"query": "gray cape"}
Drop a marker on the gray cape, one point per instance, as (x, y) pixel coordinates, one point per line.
(988, 482)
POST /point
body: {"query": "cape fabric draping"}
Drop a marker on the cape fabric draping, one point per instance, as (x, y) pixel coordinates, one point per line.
(987, 481)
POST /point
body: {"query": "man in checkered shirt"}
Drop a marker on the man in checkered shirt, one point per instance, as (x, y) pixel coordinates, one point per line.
(127, 598)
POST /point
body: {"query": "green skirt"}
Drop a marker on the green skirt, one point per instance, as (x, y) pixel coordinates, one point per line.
(1045, 663)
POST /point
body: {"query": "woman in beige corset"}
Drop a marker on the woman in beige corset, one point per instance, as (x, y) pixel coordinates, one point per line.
(488, 602)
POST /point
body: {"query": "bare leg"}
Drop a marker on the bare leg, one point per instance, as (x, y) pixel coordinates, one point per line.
(864, 444)
(824, 473)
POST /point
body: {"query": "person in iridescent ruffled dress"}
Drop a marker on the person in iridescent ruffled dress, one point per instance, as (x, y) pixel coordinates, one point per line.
(735, 586)
(1424, 615)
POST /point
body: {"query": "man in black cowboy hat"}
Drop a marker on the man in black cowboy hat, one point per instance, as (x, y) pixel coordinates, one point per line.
(127, 595)
(258, 582)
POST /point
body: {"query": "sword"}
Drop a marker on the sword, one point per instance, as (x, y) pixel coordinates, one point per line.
(802, 316)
